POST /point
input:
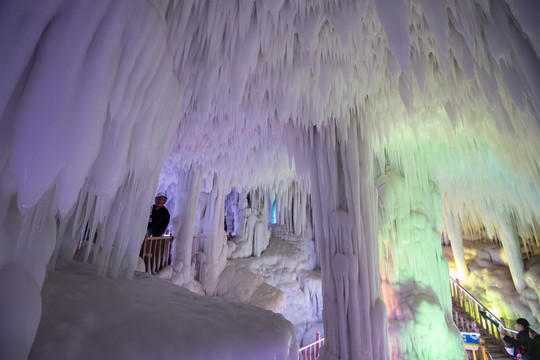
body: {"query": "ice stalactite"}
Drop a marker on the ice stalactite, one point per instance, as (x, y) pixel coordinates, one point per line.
(509, 237)
(454, 233)
(343, 203)
(300, 212)
(28, 242)
(414, 272)
(183, 222)
(212, 242)
(294, 206)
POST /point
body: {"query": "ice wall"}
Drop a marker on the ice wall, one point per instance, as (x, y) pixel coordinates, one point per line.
(84, 87)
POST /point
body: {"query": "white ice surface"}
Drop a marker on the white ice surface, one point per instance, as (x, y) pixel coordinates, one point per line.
(282, 279)
(89, 317)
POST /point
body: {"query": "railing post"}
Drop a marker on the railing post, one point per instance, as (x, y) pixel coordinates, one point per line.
(318, 346)
(483, 351)
(503, 327)
(458, 290)
(502, 330)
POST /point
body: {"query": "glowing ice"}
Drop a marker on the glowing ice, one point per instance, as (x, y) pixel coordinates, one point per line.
(93, 96)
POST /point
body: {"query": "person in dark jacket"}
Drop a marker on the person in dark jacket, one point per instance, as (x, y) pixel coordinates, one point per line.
(522, 343)
(159, 219)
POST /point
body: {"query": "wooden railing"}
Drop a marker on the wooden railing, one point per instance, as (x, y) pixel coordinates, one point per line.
(311, 351)
(156, 252)
(463, 323)
(484, 318)
(481, 350)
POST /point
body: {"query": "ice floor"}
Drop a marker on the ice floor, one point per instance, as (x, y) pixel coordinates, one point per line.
(89, 317)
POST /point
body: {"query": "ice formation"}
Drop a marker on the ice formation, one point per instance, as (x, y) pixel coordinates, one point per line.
(97, 97)
(490, 281)
(85, 317)
(283, 279)
(412, 286)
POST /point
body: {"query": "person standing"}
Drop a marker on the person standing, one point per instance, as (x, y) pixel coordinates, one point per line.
(159, 218)
(522, 343)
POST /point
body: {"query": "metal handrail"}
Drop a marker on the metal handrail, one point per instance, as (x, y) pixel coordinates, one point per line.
(313, 343)
(311, 351)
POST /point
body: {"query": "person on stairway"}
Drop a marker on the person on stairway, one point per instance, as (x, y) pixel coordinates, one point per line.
(522, 343)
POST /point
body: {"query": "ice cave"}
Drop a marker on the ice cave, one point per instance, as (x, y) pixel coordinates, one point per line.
(360, 153)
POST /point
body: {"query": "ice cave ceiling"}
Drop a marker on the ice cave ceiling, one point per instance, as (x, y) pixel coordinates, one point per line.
(449, 90)
(244, 84)
(458, 77)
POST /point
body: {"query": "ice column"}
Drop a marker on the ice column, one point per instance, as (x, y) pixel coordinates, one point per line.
(189, 186)
(213, 243)
(414, 271)
(344, 201)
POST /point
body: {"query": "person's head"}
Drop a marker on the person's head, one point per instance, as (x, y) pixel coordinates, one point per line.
(160, 199)
(522, 324)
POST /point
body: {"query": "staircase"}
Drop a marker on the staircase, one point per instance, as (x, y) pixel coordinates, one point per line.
(471, 316)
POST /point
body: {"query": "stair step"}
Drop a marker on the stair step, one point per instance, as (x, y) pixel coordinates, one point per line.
(500, 356)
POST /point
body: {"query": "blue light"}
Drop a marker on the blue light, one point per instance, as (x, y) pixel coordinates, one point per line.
(273, 213)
